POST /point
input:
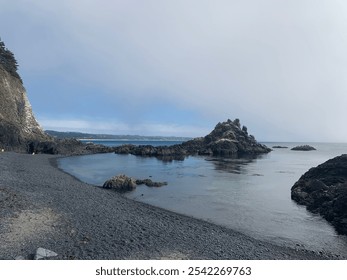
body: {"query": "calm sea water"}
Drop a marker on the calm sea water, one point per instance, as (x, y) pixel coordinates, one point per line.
(248, 195)
(112, 143)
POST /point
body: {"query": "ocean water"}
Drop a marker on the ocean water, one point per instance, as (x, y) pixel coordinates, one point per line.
(251, 196)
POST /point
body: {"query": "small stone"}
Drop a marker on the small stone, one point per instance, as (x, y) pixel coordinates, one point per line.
(42, 253)
(19, 258)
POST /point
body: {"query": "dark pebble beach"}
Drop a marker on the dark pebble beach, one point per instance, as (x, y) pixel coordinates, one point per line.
(41, 206)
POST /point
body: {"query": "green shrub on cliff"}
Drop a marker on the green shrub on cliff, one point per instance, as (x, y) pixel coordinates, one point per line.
(7, 60)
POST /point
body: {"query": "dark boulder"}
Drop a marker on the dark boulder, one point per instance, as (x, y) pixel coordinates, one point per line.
(303, 148)
(323, 190)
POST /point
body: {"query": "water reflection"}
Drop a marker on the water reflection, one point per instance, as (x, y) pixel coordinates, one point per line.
(234, 165)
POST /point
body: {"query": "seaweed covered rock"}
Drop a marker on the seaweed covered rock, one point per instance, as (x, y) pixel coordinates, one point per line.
(323, 189)
(120, 183)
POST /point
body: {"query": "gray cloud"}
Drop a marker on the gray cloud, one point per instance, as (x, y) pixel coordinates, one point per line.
(280, 66)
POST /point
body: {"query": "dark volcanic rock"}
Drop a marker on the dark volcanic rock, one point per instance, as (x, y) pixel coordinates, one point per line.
(279, 147)
(303, 148)
(323, 190)
(65, 147)
(227, 139)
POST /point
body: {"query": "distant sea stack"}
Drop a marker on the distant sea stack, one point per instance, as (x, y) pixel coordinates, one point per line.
(228, 139)
(303, 148)
(17, 122)
(323, 189)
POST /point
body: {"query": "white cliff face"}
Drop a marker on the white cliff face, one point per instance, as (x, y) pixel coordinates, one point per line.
(30, 125)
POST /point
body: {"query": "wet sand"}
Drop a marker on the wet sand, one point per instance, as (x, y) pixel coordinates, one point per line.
(41, 206)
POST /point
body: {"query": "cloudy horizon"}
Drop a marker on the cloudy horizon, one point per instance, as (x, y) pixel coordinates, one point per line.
(176, 68)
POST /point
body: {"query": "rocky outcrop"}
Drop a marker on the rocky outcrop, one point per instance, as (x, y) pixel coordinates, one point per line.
(279, 147)
(227, 139)
(303, 148)
(323, 190)
(17, 122)
(120, 183)
(66, 147)
(123, 183)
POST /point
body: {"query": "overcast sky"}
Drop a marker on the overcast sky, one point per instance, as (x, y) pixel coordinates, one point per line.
(178, 67)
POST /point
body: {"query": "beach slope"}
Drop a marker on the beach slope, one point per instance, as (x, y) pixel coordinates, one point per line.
(41, 206)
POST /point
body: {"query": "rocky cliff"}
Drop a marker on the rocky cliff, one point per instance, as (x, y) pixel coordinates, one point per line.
(17, 122)
(227, 139)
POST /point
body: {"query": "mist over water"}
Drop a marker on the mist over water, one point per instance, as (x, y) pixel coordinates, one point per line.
(248, 195)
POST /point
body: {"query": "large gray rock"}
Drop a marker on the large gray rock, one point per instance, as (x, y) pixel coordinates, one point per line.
(120, 183)
(323, 190)
(227, 139)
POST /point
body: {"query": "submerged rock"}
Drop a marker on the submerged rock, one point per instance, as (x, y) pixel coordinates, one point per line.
(303, 148)
(323, 190)
(227, 139)
(150, 183)
(279, 147)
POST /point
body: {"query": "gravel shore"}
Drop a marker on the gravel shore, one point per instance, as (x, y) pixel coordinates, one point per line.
(41, 206)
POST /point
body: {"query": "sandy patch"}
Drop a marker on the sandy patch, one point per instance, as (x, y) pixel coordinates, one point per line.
(28, 225)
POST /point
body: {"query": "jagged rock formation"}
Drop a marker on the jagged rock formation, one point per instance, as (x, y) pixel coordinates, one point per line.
(323, 190)
(227, 139)
(303, 148)
(17, 122)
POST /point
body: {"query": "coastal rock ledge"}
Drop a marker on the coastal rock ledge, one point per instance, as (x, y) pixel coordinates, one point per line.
(227, 139)
(323, 189)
